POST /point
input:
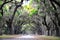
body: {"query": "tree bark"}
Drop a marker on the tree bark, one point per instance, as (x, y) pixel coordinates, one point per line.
(48, 32)
(1, 24)
(57, 31)
(10, 25)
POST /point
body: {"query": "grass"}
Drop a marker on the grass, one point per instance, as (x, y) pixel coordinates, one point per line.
(49, 37)
(8, 36)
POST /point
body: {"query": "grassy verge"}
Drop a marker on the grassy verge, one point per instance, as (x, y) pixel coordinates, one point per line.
(9, 36)
(6, 36)
(49, 37)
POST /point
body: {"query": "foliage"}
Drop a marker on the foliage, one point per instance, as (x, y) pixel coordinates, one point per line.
(28, 15)
(33, 11)
(0, 16)
(30, 9)
(1, 2)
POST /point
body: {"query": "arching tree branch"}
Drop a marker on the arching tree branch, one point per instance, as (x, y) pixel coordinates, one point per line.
(1, 7)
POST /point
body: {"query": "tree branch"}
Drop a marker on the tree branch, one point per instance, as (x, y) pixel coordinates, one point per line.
(55, 2)
(1, 7)
(17, 6)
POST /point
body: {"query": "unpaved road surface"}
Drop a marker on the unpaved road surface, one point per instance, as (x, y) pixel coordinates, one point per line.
(25, 37)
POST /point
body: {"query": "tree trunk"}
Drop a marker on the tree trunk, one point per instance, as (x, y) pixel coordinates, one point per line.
(57, 31)
(1, 23)
(48, 32)
(10, 27)
(0, 31)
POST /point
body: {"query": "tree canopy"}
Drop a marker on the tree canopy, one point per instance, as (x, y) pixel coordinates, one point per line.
(30, 17)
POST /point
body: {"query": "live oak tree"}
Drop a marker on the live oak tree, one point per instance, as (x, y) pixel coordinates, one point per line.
(41, 16)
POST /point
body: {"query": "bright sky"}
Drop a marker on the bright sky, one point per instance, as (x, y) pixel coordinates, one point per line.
(25, 3)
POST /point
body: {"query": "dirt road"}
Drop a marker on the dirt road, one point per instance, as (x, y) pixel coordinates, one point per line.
(25, 37)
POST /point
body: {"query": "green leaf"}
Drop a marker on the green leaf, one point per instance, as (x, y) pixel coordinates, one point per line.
(0, 15)
(38, 1)
(1, 2)
(19, 12)
(33, 12)
(6, 8)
